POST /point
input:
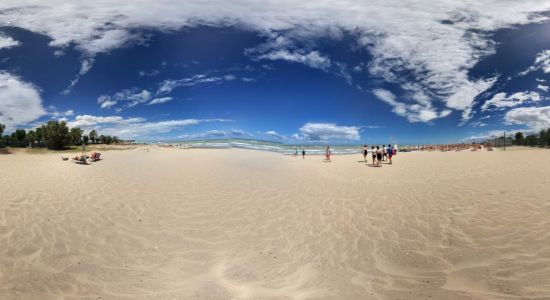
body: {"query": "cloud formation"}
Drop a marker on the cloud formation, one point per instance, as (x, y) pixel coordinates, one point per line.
(501, 100)
(20, 101)
(167, 86)
(542, 62)
(216, 134)
(160, 100)
(422, 111)
(130, 98)
(533, 117)
(133, 127)
(435, 42)
(7, 42)
(328, 131)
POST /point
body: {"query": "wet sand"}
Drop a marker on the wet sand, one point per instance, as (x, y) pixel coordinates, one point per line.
(160, 223)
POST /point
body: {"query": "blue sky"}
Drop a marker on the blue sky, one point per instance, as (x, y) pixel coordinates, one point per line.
(399, 71)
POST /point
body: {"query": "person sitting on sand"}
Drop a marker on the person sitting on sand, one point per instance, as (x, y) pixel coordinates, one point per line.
(365, 152)
(327, 154)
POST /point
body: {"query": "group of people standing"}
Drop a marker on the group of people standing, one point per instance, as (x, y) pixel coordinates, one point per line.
(380, 154)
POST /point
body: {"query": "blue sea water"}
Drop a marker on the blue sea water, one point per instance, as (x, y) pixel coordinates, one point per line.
(286, 149)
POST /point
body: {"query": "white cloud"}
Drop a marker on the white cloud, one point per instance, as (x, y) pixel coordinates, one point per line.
(533, 117)
(229, 77)
(90, 121)
(436, 41)
(543, 87)
(20, 101)
(248, 79)
(160, 100)
(329, 131)
(168, 85)
(422, 111)
(133, 127)
(312, 59)
(542, 62)
(85, 66)
(107, 103)
(215, 134)
(130, 98)
(501, 100)
(274, 134)
(7, 42)
(60, 115)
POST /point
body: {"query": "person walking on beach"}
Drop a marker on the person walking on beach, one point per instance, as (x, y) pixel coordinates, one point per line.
(373, 151)
(327, 154)
(303, 154)
(384, 152)
(378, 156)
(390, 152)
(365, 152)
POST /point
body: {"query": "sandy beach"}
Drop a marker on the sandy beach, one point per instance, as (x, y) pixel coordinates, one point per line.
(161, 223)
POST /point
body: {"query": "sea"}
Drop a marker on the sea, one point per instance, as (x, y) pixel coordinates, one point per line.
(285, 149)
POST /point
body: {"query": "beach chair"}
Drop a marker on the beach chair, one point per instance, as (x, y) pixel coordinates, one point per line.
(95, 156)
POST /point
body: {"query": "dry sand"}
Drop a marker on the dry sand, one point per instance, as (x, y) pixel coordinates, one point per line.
(237, 224)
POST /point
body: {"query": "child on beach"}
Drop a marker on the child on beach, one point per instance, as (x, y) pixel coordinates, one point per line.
(327, 154)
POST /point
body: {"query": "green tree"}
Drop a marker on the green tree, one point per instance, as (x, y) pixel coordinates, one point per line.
(55, 134)
(519, 138)
(39, 136)
(85, 138)
(531, 140)
(93, 136)
(542, 138)
(31, 137)
(102, 139)
(2, 128)
(20, 137)
(76, 135)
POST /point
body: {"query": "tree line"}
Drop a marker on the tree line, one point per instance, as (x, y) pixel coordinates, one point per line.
(541, 139)
(53, 135)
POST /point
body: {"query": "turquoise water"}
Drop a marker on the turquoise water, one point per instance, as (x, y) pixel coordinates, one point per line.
(286, 149)
(268, 146)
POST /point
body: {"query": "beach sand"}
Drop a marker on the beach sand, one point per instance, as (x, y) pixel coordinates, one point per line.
(161, 223)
